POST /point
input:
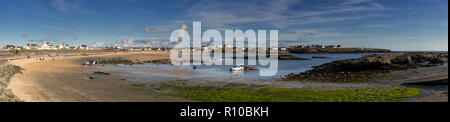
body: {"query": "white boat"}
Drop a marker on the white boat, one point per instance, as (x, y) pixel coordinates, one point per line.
(237, 68)
(90, 62)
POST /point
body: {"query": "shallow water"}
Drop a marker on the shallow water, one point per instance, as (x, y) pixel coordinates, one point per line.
(222, 73)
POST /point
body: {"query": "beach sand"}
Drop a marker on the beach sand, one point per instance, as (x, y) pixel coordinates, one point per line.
(66, 80)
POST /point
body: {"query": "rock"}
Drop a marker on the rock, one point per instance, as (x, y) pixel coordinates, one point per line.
(405, 59)
(360, 69)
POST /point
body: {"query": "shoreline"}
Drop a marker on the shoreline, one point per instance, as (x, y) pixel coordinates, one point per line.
(65, 80)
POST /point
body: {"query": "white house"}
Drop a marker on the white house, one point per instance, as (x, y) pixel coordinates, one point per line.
(83, 47)
(31, 46)
(48, 46)
(63, 46)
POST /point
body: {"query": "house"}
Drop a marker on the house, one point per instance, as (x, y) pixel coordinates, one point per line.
(135, 49)
(48, 46)
(331, 46)
(9, 47)
(118, 48)
(317, 46)
(63, 46)
(83, 47)
(18, 48)
(31, 46)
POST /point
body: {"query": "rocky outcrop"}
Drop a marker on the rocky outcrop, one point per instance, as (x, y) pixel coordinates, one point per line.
(384, 62)
(360, 70)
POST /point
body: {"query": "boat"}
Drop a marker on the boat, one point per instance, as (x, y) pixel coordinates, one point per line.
(90, 62)
(238, 68)
(243, 68)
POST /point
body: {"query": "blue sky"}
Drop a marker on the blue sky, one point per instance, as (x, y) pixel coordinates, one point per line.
(392, 24)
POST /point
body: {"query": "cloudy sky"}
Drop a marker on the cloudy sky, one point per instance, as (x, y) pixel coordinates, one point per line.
(392, 24)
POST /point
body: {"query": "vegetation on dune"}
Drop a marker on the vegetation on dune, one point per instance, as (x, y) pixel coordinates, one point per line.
(6, 73)
(262, 93)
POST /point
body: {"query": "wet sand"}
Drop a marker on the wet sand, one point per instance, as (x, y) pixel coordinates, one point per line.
(65, 80)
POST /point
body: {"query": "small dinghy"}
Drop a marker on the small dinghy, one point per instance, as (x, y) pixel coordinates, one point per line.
(90, 62)
(237, 68)
(243, 68)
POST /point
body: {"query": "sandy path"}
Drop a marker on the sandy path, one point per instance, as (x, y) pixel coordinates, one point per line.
(65, 80)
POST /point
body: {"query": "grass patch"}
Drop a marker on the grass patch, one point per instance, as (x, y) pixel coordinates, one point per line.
(262, 93)
(116, 61)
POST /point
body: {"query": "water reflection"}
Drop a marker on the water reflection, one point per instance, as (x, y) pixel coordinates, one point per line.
(221, 72)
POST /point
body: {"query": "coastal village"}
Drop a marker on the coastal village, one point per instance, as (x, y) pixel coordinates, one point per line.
(45, 46)
(62, 46)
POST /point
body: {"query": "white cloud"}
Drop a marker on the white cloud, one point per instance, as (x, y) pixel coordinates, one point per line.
(57, 28)
(64, 5)
(149, 29)
(280, 13)
(378, 25)
(312, 34)
(145, 42)
(97, 45)
(24, 35)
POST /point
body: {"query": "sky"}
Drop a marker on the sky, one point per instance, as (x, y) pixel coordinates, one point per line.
(400, 25)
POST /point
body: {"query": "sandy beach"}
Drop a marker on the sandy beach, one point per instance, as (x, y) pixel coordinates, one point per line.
(65, 80)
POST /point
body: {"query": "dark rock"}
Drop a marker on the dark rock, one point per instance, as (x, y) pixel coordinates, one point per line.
(373, 65)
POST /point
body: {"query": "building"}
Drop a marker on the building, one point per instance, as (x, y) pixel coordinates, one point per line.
(135, 49)
(83, 47)
(331, 46)
(31, 46)
(63, 46)
(48, 46)
(9, 47)
(19, 48)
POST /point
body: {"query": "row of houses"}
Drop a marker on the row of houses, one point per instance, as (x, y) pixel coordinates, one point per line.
(45, 46)
(137, 49)
(315, 46)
